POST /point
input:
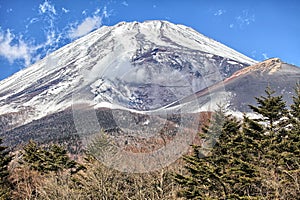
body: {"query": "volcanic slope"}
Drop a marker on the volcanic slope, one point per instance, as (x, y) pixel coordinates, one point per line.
(134, 67)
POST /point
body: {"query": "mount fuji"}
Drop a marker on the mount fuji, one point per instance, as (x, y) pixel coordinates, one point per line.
(126, 73)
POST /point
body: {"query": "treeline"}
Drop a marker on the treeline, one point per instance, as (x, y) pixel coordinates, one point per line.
(255, 157)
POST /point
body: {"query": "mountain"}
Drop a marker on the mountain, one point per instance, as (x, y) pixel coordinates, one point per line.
(252, 82)
(238, 90)
(147, 85)
(140, 66)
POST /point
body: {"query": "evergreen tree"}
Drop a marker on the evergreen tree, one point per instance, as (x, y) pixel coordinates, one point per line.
(212, 131)
(226, 172)
(43, 159)
(201, 181)
(273, 116)
(273, 111)
(278, 148)
(295, 107)
(295, 116)
(5, 159)
(58, 159)
(34, 156)
(290, 144)
(290, 151)
(247, 159)
(242, 173)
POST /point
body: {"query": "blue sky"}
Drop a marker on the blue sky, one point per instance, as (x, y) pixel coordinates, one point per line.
(29, 30)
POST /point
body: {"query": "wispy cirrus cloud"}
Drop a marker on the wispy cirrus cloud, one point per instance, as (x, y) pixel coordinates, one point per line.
(243, 19)
(48, 16)
(259, 55)
(47, 7)
(124, 3)
(65, 10)
(219, 12)
(265, 56)
(246, 18)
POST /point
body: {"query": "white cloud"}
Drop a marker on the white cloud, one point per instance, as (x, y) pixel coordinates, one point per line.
(97, 11)
(124, 3)
(12, 52)
(265, 56)
(33, 20)
(65, 10)
(245, 18)
(47, 7)
(154, 6)
(231, 25)
(105, 14)
(253, 53)
(89, 24)
(258, 55)
(219, 12)
(14, 48)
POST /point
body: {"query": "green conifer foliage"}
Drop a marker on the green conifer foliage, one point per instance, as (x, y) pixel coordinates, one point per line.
(278, 150)
(253, 158)
(212, 131)
(201, 180)
(295, 107)
(290, 151)
(43, 159)
(5, 159)
(295, 119)
(272, 109)
(290, 144)
(226, 172)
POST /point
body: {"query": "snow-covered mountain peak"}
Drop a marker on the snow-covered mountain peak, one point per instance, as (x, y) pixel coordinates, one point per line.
(135, 65)
(166, 33)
